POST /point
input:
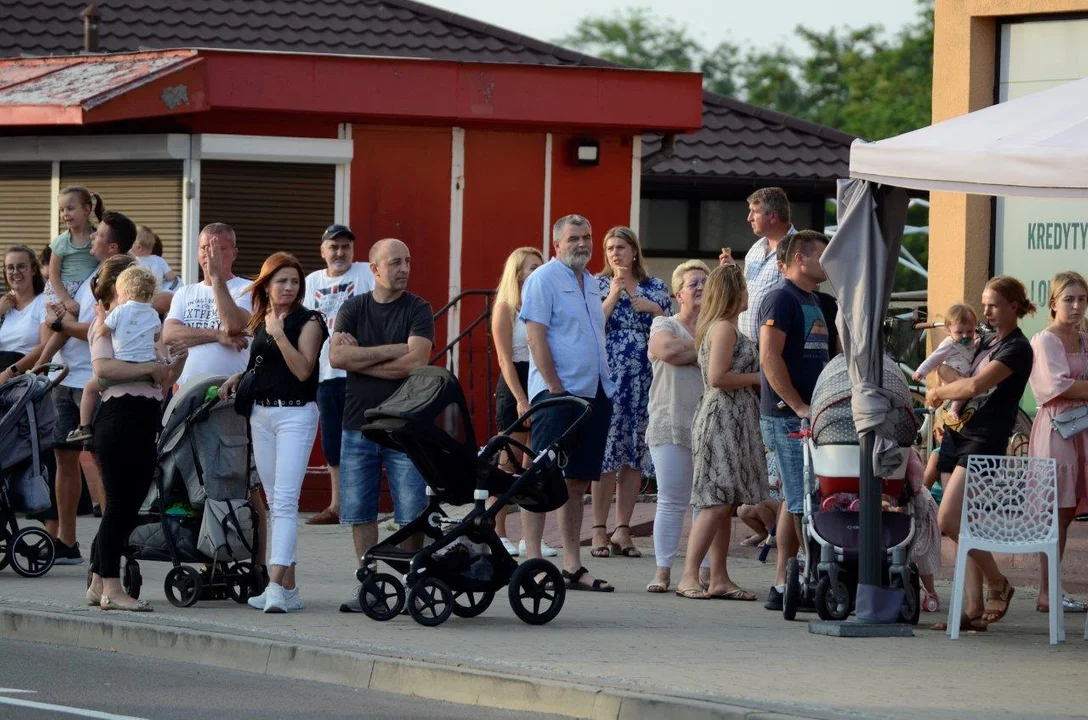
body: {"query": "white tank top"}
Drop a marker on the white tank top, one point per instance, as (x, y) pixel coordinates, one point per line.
(521, 341)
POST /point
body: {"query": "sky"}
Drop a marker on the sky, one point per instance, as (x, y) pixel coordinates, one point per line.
(745, 22)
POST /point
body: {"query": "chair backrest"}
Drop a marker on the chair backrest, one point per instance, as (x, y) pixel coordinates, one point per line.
(1010, 500)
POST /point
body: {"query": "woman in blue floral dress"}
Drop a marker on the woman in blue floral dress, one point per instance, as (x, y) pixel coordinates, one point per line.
(632, 299)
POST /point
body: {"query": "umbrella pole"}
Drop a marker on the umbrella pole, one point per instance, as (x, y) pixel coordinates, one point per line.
(869, 521)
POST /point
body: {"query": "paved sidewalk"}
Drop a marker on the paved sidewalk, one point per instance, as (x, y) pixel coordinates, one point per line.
(729, 652)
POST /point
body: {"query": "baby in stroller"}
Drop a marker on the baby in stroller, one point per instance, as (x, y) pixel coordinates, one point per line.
(464, 564)
(830, 520)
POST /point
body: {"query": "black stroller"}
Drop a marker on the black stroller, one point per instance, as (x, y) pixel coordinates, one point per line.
(26, 431)
(198, 509)
(464, 564)
(832, 482)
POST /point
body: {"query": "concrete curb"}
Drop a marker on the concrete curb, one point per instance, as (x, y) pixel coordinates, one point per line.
(458, 684)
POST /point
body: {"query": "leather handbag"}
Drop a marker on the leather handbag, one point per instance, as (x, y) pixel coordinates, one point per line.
(246, 393)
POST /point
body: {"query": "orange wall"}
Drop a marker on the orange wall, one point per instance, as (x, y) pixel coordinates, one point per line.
(601, 193)
(400, 187)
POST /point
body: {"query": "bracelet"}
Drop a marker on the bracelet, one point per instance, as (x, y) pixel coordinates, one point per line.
(14, 370)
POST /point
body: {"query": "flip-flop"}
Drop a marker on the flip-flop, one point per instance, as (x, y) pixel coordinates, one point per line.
(572, 581)
(966, 623)
(657, 587)
(752, 541)
(737, 594)
(691, 593)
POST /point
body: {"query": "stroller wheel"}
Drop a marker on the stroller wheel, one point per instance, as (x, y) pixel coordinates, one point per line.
(791, 599)
(912, 606)
(239, 582)
(131, 579)
(381, 596)
(430, 601)
(5, 540)
(471, 604)
(537, 591)
(832, 599)
(182, 586)
(31, 552)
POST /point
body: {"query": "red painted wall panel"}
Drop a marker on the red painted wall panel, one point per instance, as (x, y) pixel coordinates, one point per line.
(602, 193)
(503, 210)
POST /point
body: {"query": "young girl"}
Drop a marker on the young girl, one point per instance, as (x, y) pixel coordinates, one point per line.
(143, 249)
(71, 262)
(925, 552)
(954, 358)
(135, 329)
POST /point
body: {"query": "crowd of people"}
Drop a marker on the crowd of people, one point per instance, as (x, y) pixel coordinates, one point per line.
(701, 384)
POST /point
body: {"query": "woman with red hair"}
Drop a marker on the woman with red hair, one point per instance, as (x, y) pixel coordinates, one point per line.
(287, 340)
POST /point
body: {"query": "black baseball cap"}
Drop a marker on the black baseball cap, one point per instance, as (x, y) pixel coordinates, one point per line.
(335, 231)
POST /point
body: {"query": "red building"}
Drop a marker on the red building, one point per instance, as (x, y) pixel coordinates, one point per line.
(464, 161)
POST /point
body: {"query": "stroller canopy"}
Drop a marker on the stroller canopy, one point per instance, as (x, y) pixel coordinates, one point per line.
(832, 416)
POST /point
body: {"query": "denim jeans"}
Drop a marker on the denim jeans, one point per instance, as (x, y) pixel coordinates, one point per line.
(361, 463)
(789, 455)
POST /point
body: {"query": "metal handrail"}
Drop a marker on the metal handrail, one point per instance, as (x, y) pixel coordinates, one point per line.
(452, 347)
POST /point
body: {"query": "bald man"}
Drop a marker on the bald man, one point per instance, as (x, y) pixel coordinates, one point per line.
(379, 338)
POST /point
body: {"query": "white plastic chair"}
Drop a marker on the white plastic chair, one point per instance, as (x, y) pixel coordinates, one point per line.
(1010, 505)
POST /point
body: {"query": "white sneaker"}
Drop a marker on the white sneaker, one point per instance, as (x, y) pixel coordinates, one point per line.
(294, 600)
(512, 548)
(257, 601)
(545, 549)
(275, 599)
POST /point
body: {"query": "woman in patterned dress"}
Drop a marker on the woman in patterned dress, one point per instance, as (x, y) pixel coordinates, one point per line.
(727, 450)
(632, 299)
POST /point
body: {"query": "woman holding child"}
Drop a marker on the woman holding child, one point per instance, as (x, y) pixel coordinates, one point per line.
(127, 423)
(1001, 370)
(1059, 381)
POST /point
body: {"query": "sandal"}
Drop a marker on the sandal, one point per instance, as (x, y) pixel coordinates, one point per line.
(629, 551)
(658, 587)
(1069, 605)
(600, 551)
(140, 606)
(691, 593)
(1003, 596)
(573, 582)
(734, 594)
(976, 624)
(753, 541)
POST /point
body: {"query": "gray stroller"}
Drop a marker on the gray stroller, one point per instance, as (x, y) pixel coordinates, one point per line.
(198, 509)
(26, 431)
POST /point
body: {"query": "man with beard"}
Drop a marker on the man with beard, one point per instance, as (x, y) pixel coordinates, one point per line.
(564, 323)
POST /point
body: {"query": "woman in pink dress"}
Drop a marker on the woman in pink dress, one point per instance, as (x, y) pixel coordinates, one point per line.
(1059, 381)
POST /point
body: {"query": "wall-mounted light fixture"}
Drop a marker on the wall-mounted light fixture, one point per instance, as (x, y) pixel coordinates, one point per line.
(585, 152)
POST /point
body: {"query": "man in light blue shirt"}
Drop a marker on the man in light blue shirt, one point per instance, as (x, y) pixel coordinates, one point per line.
(564, 323)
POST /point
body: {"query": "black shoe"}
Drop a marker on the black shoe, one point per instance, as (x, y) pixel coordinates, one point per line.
(67, 554)
(774, 600)
(96, 510)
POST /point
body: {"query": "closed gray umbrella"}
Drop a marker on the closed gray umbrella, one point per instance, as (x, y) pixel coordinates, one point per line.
(860, 263)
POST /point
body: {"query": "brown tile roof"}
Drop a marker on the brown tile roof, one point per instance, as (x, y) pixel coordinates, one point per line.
(738, 141)
(746, 142)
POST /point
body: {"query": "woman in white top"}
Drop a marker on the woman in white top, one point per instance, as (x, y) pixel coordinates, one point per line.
(511, 396)
(674, 396)
(22, 312)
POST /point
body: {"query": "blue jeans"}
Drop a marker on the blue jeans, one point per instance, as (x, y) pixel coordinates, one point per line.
(330, 401)
(361, 463)
(789, 456)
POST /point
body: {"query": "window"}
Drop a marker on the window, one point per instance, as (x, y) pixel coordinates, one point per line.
(663, 225)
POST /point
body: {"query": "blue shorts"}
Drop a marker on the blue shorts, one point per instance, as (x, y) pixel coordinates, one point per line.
(330, 403)
(585, 452)
(788, 455)
(361, 463)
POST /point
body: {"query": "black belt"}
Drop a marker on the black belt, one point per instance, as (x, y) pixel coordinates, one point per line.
(281, 403)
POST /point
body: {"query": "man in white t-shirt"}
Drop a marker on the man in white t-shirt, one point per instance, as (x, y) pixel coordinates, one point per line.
(326, 291)
(210, 317)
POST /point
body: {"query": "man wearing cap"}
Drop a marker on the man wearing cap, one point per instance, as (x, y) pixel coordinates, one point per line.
(326, 291)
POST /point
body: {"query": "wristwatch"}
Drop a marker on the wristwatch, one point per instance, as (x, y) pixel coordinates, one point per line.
(56, 325)
(14, 370)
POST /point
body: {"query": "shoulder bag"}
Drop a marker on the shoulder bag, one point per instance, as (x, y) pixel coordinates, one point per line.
(1075, 420)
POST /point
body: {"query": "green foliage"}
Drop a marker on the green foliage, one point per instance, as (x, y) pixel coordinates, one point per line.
(855, 80)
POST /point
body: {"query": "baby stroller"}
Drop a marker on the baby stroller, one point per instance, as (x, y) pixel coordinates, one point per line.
(198, 509)
(26, 431)
(830, 520)
(464, 565)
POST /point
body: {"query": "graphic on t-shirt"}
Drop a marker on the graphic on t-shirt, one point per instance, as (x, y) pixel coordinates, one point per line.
(815, 331)
(202, 313)
(329, 299)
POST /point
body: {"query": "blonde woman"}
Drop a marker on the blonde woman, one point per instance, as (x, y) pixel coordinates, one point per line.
(674, 395)
(511, 397)
(1059, 381)
(631, 300)
(728, 467)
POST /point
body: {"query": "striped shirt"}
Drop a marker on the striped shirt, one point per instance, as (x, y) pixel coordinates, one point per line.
(761, 273)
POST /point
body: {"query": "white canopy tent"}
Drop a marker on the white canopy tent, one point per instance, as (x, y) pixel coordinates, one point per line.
(1034, 146)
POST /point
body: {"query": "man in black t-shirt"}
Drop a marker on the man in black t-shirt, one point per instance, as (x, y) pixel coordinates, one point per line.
(793, 350)
(379, 338)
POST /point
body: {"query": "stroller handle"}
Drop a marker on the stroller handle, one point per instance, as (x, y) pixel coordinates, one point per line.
(551, 402)
(49, 368)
